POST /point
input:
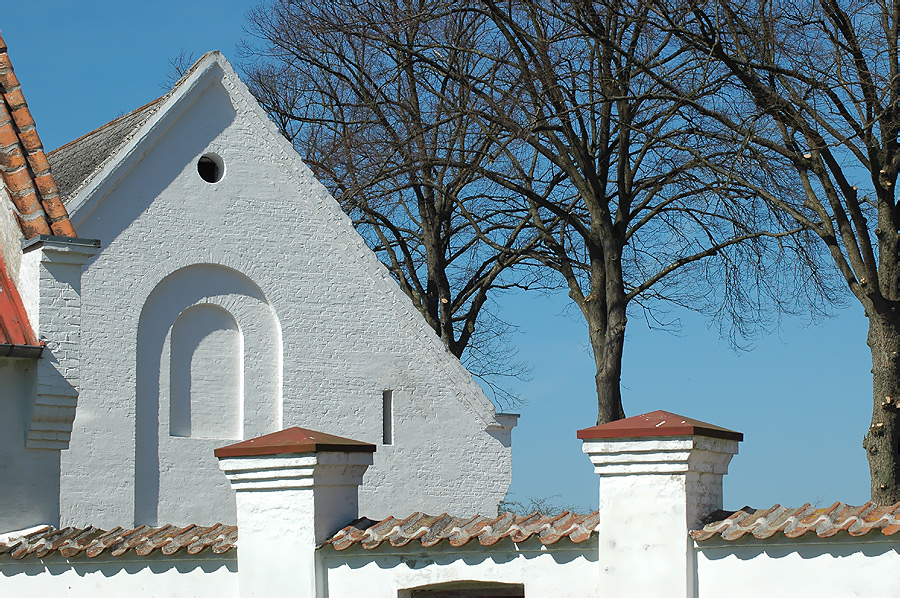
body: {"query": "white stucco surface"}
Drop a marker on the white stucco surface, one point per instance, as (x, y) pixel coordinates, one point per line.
(206, 375)
(29, 478)
(652, 491)
(51, 272)
(324, 330)
(841, 567)
(562, 570)
(185, 577)
(288, 505)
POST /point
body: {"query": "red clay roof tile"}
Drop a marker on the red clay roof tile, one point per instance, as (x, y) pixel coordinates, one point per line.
(91, 542)
(795, 523)
(23, 165)
(428, 530)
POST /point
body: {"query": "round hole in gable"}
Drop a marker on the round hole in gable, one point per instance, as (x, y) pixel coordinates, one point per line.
(211, 168)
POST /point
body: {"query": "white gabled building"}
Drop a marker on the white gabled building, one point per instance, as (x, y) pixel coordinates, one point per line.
(224, 295)
(233, 298)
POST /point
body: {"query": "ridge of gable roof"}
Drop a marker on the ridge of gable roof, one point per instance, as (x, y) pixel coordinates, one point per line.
(79, 161)
(24, 168)
(75, 162)
(105, 175)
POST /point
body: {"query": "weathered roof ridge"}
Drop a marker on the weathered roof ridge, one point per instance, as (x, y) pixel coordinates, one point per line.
(143, 540)
(104, 126)
(24, 167)
(77, 162)
(430, 530)
(795, 523)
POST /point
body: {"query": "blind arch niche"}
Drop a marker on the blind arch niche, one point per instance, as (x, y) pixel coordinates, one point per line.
(206, 374)
(182, 325)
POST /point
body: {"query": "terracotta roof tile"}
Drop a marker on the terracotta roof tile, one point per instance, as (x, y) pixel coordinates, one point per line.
(91, 542)
(15, 331)
(429, 530)
(796, 523)
(24, 168)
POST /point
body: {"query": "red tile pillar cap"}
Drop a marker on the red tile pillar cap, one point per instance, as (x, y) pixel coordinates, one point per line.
(659, 474)
(655, 424)
(293, 489)
(293, 440)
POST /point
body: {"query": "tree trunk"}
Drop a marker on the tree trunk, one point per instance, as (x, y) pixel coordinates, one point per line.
(606, 325)
(882, 441)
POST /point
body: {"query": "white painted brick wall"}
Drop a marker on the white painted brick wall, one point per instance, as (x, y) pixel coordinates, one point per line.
(347, 331)
(50, 275)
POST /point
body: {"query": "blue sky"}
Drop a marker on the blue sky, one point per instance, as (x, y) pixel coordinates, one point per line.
(801, 396)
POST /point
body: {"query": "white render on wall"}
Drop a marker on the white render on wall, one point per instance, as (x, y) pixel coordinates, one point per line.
(133, 576)
(842, 567)
(653, 490)
(288, 504)
(53, 266)
(324, 329)
(29, 478)
(562, 570)
(837, 568)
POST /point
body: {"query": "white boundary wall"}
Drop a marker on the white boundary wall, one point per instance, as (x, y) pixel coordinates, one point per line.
(841, 568)
(838, 568)
(557, 571)
(130, 576)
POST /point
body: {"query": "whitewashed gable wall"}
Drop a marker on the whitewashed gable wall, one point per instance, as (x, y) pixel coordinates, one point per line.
(265, 265)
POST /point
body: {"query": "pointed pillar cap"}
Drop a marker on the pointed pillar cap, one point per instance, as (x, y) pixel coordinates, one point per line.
(294, 440)
(657, 423)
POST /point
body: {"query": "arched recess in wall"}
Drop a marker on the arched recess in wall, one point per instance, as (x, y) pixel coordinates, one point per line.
(206, 373)
(186, 316)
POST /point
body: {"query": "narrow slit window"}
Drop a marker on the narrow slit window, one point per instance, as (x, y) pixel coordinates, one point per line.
(387, 417)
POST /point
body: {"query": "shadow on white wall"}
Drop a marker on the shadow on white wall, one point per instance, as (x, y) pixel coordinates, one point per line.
(209, 368)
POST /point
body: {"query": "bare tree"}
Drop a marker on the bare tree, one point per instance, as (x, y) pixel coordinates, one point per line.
(600, 151)
(468, 137)
(391, 138)
(813, 106)
(179, 65)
